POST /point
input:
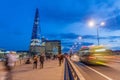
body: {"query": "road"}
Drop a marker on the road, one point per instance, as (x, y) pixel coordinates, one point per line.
(91, 72)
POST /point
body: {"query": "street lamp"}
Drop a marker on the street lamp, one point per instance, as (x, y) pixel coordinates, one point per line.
(79, 38)
(92, 24)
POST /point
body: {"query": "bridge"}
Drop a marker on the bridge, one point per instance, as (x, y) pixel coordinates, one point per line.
(69, 70)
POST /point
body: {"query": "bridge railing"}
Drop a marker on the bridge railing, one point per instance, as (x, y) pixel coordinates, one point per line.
(71, 72)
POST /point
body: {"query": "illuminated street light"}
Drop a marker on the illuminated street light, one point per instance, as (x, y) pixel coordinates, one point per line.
(92, 24)
(102, 23)
(76, 44)
(79, 38)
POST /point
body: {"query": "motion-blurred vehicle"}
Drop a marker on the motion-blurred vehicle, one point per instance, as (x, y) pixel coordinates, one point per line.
(75, 57)
(95, 55)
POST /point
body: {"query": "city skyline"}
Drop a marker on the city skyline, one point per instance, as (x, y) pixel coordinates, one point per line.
(64, 20)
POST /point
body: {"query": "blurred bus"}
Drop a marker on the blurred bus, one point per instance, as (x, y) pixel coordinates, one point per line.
(95, 55)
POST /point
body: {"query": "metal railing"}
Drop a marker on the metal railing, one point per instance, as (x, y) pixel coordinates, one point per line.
(69, 72)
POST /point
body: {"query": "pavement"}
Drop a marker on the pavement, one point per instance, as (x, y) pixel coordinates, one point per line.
(51, 71)
(2, 71)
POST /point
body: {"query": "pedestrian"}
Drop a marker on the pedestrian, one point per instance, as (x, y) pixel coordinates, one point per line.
(35, 61)
(41, 59)
(10, 63)
(28, 61)
(60, 59)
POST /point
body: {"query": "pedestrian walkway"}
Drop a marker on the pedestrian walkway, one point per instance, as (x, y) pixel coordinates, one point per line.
(2, 71)
(51, 71)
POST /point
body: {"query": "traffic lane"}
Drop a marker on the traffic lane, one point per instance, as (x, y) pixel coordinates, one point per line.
(112, 70)
(89, 74)
(114, 65)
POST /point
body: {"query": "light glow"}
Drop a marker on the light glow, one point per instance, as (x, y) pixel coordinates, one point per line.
(102, 23)
(91, 23)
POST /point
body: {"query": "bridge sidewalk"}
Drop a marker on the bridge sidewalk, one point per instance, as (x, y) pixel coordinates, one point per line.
(51, 71)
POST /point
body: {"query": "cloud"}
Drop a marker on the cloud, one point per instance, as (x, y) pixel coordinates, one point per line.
(114, 37)
(94, 37)
(112, 41)
(63, 20)
(69, 11)
(69, 36)
(89, 37)
(116, 48)
(108, 11)
(113, 23)
(68, 39)
(63, 36)
(86, 43)
(68, 44)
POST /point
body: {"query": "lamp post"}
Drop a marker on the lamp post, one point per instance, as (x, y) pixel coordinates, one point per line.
(92, 23)
(98, 36)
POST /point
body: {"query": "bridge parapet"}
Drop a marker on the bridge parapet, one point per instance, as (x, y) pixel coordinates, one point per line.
(71, 71)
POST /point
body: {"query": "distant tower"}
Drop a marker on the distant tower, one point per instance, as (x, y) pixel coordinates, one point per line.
(35, 39)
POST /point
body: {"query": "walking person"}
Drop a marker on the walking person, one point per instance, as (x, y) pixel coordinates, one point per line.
(35, 61)
(10, 63)
(60, 59)
(41, 59)
(54, 57)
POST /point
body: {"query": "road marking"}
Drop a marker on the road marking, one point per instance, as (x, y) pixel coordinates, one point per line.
(81, 76)
(99, 73)
(76, 70)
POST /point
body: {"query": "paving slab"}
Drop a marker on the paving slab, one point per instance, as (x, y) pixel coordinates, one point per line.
(51, 71)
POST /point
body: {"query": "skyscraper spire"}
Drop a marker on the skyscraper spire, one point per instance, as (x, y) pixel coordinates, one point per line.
(35, 39)
(36, 28)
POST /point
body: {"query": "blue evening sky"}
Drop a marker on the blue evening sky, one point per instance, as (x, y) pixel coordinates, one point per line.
(63, 20)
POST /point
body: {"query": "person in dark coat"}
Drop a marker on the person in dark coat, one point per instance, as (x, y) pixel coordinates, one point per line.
(28, 61)
(60, 58)
(41, 59)
(35, 60)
